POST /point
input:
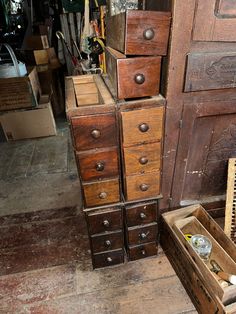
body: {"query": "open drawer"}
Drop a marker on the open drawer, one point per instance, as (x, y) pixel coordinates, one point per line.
(201, 284)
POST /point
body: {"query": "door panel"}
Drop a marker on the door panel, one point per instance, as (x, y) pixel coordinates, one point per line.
(215, 20)
(207, 141)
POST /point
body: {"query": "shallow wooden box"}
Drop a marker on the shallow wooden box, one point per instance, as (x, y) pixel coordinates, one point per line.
(136, 32)
(202, 286)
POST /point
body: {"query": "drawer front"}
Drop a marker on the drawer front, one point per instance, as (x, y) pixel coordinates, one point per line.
(110, 220)
(107, 242)
(138, 77)
(145, 234)
(142, 158)
(147, 32)
(143, 186)
(142, 126)
(94, 131)
(108, 259)
(142, 251)
(98, 164)
(101, 192)
(141, 214)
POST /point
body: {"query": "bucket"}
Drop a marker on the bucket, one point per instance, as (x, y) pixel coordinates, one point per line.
(13, 67)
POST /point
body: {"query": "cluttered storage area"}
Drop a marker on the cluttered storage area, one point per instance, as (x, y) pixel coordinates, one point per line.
(117, 156)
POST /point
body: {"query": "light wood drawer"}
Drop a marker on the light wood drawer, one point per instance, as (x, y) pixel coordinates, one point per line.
(142, 158)
(142, 126)
(143, 186)
(101, 192)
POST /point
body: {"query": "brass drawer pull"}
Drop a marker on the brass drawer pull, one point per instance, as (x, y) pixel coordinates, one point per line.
(143, 160)
(103, 195)
(100, 166)
(143, 127)
(106, 223)
(95, 133)
(142, 215)
(144, 187)
(143, 252)
(107, 243)
(109, 259)
(139, 78)
(148, 34)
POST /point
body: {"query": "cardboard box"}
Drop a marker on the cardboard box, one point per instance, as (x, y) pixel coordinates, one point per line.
(31, 123)
(20, 92)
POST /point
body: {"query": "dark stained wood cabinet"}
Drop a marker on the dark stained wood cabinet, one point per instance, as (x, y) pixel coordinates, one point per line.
(199, 86)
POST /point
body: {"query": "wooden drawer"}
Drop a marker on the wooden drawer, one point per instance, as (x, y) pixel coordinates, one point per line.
(108, 259)
(94, 131)
(142, 234)
(200, 282)
(101, 192)
(105, 220)
(142, 158)
(97, 164)
(107, 242)
(141, 214)
(137, 32)
(142, 186)
(142, 251)
(142, 126)
(133, 77)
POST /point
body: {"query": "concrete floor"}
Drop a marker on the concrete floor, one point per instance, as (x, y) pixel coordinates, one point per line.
(45, 264)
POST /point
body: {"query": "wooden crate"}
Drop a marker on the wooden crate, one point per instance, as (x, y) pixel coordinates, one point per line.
(19, 92)
(201, 284)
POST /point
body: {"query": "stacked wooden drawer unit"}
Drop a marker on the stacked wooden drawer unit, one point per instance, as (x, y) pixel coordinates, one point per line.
(136, 42)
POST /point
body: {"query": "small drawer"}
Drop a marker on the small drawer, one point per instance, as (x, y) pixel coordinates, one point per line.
(137, 32)
(108, 259)
(98, 164)
(94, 131)
(101, 192)
(141, 214)
(106, 220)
(133, 77)
(142, 251)
(142, 186)
(143, 234)
(107, 242)
(142, 126)
(142, 158)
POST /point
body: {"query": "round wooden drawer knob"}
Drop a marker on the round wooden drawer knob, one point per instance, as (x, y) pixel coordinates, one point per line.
(100, 166)
(95, 133)
(143, 235)
(148, 34)
(143, 160)
(144, 187)
(106, 223)
(144, 127)
(143, 252)
(143, 216)
(109, 259)
(107, 243)
(103, 195)
(139, 78)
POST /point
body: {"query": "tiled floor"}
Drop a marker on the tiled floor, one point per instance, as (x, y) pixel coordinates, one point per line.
(45, 265)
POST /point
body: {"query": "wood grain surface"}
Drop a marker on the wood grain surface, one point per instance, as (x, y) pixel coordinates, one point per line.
(141, 251)
(134, 214)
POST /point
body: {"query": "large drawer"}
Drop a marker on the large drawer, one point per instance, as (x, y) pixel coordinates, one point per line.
(133, 77)
(137, 32)
(94, 131)
(142, 158)
(96, 164)
(142, 251)
(101, 192)
(142, 186)
(141, 214)
(142, 126)
(107, 242)
(108, 258)
(105, 221)
(142, 234)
